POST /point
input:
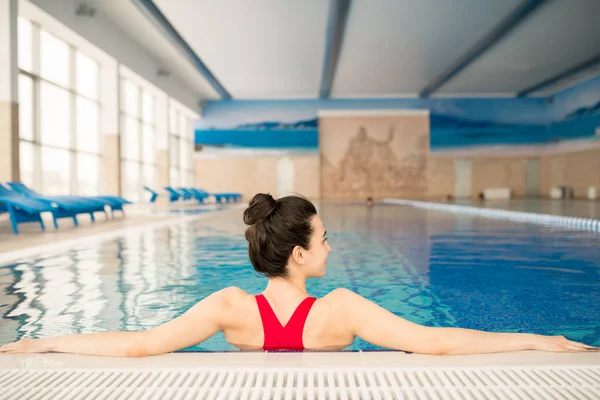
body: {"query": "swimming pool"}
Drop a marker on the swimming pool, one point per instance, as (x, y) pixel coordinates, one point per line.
(431, 267)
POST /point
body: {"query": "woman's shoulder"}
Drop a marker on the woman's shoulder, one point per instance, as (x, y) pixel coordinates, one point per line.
(234, 293)
(233, 296)
(337, 305)
(236, 300)
(339, 298)
(340, 293)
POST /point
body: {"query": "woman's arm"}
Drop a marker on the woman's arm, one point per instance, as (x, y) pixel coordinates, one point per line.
(196, 325)
(380, 327)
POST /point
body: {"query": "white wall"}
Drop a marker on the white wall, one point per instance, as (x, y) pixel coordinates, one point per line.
(100, 31)
(8, 50)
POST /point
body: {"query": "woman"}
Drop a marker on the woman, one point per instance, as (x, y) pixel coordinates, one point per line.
(288, 243)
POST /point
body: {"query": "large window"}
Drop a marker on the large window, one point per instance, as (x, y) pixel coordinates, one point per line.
(181, 149)
(58, 114)
(138, 135)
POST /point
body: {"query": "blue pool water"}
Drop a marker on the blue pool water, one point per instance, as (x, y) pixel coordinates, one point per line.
(433, 268)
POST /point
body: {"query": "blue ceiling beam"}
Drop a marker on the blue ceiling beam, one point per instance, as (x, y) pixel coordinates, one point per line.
(505, 26)
(336, 24)
(154, 14)
(562, 76)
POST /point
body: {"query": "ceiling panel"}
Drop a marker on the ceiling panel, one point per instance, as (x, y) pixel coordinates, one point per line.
(559, 35)
(397, 47)
(256, 49)
(129, 18)
(575, 79)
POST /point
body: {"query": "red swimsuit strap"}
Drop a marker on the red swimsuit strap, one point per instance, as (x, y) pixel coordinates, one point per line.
(277, 336)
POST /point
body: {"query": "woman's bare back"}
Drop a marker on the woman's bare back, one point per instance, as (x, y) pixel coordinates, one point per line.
(325, 327)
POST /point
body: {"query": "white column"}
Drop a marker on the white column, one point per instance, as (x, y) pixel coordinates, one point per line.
(109, 128)
(162, 141)
(9, 97)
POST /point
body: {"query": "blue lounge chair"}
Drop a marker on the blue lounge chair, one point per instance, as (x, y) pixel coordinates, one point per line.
(235, 196)
(223, 197)
(22, 209)
(93, 203)
(115, 203)
(187, 195)
(153, 193)
(232, 196)
(174, 195)
(199, 196)
(73, 204)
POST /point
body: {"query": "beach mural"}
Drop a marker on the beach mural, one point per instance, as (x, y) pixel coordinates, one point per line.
(450, 131)
(293, 124)
(302, 134)
(575, 112)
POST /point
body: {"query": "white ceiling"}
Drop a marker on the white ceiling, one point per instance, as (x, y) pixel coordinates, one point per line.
(129, 17)
(397, 47)
(561, 34)
(263, 49)
(258, 48)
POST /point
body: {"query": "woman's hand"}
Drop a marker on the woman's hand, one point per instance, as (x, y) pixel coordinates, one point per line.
(25, 346)
(560, 344)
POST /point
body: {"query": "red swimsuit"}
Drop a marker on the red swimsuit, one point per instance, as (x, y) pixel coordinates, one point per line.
(288, 337)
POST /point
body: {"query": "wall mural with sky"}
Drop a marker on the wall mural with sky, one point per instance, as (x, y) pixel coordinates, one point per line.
(293, 124)
(575, 112)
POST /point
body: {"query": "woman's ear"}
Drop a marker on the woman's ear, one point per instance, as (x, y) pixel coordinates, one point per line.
(298, 255)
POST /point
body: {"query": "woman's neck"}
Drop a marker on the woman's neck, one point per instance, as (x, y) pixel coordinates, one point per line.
(290, 286)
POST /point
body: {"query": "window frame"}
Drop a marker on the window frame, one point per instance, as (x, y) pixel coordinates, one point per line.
(71, 89)
(141, 123)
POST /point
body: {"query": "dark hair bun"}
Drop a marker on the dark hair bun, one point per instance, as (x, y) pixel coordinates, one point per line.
(276, 228)
(261, 206)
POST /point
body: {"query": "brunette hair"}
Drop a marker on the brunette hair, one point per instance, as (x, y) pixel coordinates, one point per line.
(276, 227)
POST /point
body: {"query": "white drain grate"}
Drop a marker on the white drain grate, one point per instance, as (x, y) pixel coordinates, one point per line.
(541, 383)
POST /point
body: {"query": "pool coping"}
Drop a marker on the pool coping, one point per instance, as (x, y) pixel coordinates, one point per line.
(274, 379)
(304, 360)
(583, 224)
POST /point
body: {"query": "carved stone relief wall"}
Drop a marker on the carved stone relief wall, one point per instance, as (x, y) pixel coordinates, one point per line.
(376, 156)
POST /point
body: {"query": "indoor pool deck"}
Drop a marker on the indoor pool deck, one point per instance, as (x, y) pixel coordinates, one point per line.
(260, 375)
(136, 216)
